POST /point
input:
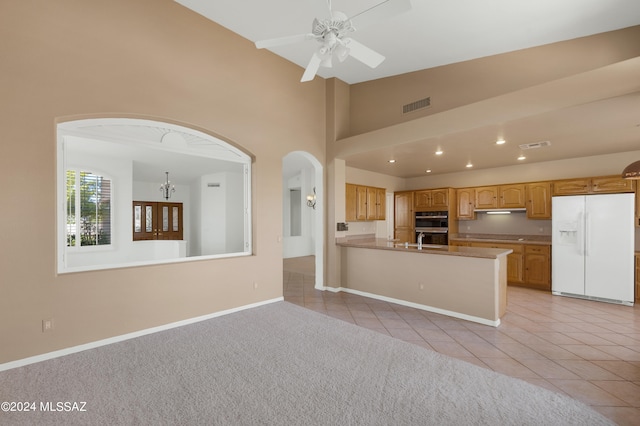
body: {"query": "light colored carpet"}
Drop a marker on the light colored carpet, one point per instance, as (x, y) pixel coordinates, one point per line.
(279, 364)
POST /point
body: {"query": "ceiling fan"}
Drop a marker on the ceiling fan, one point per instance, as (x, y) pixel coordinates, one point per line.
(331, 31)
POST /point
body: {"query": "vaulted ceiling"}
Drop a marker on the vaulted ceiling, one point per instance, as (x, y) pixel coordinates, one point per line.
(589, 113)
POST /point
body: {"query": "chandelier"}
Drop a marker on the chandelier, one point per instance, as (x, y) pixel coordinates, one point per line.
(166, 188)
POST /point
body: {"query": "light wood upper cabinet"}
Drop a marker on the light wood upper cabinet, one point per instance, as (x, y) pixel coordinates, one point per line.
(611, 184)
(440, 198)
(364, 203)
(538, 200)
(511, 196)
(571, 186)
(595, 185)
(351, 203)
(486, 197)
(466, 199)
(431, 199)
(376, 203)
(361, 203)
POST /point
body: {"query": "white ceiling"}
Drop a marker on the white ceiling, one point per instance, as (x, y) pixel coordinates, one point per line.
(431, 34)
(599, 112)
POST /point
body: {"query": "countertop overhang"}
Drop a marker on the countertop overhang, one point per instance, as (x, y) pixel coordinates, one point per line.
(502, 238)
(384, 244)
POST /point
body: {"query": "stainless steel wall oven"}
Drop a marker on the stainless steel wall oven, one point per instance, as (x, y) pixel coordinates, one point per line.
(433, 226)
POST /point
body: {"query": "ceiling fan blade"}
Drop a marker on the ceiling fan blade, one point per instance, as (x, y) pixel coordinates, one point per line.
(312, 68)
(362, 53)
(374, 14)
(273, 42)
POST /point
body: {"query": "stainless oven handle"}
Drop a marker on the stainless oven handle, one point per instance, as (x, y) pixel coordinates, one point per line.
(433, 230)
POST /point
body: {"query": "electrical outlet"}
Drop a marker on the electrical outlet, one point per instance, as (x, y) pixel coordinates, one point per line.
(255, 285)
(421, 286)
(47, 325)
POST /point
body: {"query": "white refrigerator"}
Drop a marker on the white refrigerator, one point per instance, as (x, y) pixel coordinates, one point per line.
(593, 247)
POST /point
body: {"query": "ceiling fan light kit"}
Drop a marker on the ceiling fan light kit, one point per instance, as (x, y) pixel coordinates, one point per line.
(332, 31)
(632, 171)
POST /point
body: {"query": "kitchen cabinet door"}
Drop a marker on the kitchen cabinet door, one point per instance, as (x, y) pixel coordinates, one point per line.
(361, 203)
(572, 186)
(465, 203)
(422, 199)
(404, 217)
(515, 260)
(431, 199)
(440, 198)
(512, 196)
(537, 267)
(381, 204)
(611, 184)
(538, 200)
(351, 203)
(486, 197)
(371, 203)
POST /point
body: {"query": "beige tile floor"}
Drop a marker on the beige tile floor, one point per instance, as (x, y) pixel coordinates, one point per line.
(587, 350)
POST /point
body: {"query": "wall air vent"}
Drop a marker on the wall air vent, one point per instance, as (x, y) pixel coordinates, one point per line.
(534, 145)
(414, 106)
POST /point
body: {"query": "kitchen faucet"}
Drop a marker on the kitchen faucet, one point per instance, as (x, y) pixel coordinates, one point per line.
(420, 235)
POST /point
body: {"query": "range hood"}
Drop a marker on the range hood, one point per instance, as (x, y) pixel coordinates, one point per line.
(499, 211)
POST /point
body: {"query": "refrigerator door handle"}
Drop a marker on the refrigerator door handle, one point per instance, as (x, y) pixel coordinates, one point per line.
(580, 234)
(587, 234)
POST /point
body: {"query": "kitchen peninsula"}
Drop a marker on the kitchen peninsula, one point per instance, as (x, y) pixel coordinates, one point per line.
(463, 282)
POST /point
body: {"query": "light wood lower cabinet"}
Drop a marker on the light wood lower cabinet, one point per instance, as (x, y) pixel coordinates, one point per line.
(528, 265)
(515, 260)
(537, 266)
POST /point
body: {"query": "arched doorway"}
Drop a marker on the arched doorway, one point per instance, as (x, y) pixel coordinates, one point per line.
(303, 219)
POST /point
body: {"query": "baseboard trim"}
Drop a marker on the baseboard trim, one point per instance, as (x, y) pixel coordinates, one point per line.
(427, 308)
(74, 349)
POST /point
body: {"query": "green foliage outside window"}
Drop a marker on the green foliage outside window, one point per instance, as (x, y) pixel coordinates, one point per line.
(91, 195)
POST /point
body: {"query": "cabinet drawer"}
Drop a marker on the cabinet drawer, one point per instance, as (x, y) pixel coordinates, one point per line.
(536, 249)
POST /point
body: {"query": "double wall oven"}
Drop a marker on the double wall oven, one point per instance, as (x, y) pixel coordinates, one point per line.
(434, 227)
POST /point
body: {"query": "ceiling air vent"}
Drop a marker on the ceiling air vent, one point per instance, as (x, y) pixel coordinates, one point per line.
(414, 106)
(534, 145)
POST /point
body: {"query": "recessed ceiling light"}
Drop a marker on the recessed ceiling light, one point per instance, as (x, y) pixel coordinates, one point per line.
(469, 165)
(428, 171)
(392, 161)
(500, 142)
(439, 152)
(522, 157)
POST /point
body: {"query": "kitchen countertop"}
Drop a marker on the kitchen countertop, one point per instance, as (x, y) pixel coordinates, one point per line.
(503, 238)
(384, 244)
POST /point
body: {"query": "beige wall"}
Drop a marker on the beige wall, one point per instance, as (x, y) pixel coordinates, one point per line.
(148, 58)
(378, 104)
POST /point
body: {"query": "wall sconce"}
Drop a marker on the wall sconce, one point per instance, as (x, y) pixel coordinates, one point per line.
(311, 199)
(632, 171)
(166, 188)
